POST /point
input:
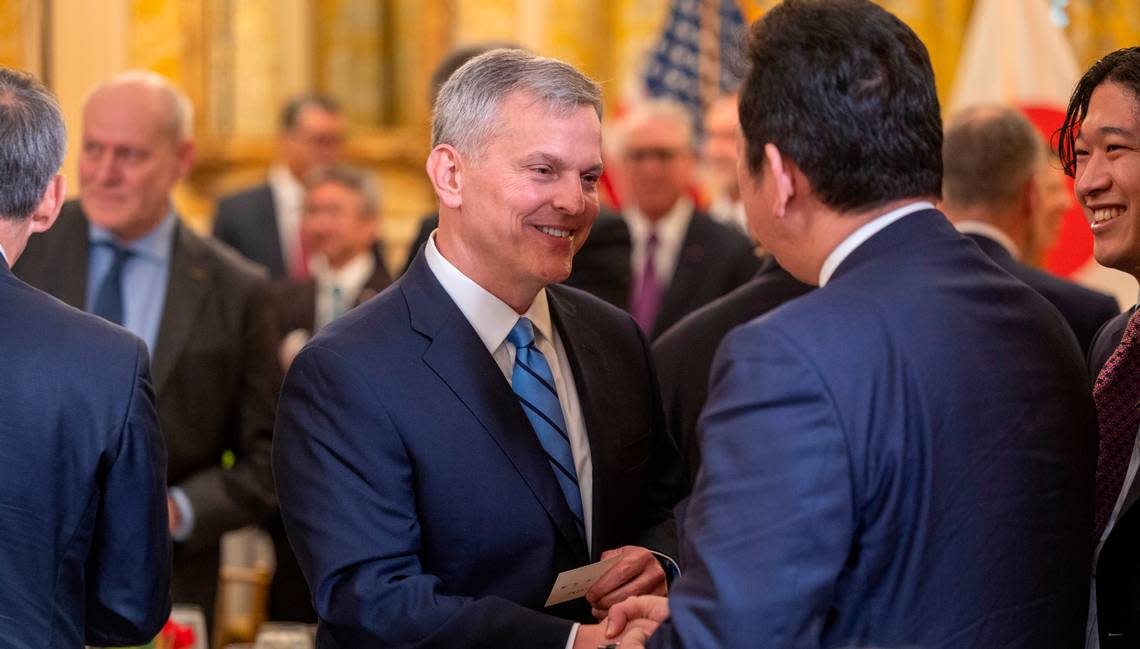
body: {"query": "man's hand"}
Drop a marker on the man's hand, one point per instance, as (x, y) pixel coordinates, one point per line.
(173, 514)
(636, 616)
(635, 573)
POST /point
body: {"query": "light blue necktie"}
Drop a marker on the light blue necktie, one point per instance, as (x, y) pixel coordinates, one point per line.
(533, 383)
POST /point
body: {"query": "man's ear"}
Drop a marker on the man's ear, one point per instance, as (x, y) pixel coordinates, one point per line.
(782, 171)
(444, 168)
(186, 152)
(1031, 195)
(46, 212)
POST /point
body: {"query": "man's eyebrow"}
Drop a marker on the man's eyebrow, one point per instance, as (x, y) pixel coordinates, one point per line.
(1117, 130)
(556, 161)
(1107, 130)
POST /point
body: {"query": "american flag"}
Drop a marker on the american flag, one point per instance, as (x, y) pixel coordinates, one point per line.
(700, 55)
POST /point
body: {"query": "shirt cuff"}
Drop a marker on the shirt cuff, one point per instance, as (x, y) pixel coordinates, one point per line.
(573, 636)
(185, 514)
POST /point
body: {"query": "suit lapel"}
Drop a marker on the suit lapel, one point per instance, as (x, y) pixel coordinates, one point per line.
(269, 234)
(189, 282)
(687, 277)
(459, 358)
(596, 398)
(71, 259)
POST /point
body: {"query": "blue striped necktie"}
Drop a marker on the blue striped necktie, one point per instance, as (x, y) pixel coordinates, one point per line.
(533, 383)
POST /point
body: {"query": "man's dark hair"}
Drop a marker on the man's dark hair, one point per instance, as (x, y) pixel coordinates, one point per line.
(33, 141)
(845, 90)
(292, 110)
(1121, 67)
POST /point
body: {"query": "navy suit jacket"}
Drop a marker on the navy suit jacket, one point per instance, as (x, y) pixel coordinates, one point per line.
(1118, 565)
(84, 548)
(684, 354)
(415, 493)
(247, 222)
(902, 458)
(1084, 309)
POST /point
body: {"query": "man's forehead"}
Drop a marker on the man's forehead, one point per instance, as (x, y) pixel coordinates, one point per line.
(1113, 110)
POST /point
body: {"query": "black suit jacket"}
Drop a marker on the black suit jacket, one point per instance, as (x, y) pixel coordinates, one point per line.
(84, 548)
(216, 377)
(1118, 566)
(247, 222)
(1084, 309)
(422, 508)
(684, 354)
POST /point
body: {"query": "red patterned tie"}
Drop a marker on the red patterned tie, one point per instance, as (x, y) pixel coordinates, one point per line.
(1116, 393)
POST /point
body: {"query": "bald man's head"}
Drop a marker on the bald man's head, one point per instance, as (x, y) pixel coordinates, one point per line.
(136, 146)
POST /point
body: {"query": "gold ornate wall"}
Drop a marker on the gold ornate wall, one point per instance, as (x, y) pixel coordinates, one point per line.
(239, 59)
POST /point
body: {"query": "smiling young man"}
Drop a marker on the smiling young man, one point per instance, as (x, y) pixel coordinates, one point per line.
(444, 450)
(1100, 148)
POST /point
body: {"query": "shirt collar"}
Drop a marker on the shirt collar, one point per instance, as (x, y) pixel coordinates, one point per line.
(866, 231)
(491, 318)
(156, 245)
(284, 185)
(352, 275)
(671, 227)
(4, 254)
(988, 231)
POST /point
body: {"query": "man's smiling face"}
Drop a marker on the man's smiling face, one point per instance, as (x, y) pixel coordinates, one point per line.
(1107, 152)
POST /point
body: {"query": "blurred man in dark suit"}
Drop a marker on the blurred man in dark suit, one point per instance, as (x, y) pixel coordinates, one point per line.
(339, 219)
(1100, 147)
(446, 449)
(122, 253)
(992, 157)
(903, 457)
(263, 223)
(679, 259)
(84, 547)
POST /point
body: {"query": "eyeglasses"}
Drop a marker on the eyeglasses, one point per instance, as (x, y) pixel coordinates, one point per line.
(653, 154)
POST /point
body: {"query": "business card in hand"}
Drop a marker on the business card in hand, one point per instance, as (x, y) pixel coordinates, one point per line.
(573, 584)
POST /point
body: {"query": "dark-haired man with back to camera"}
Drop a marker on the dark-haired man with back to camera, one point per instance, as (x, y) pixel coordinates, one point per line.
(84, 547)
(903, 457)
(1100, 148)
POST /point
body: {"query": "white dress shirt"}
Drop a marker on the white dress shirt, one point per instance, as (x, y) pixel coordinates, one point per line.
(492, 320)
(671, 230)
(990, 232)
(288, 198)
(858, 237)
(350, 279)
(4, 255)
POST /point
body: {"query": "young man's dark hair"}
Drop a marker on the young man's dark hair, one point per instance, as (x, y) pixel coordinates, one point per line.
(849, 95)
(1122, 67)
